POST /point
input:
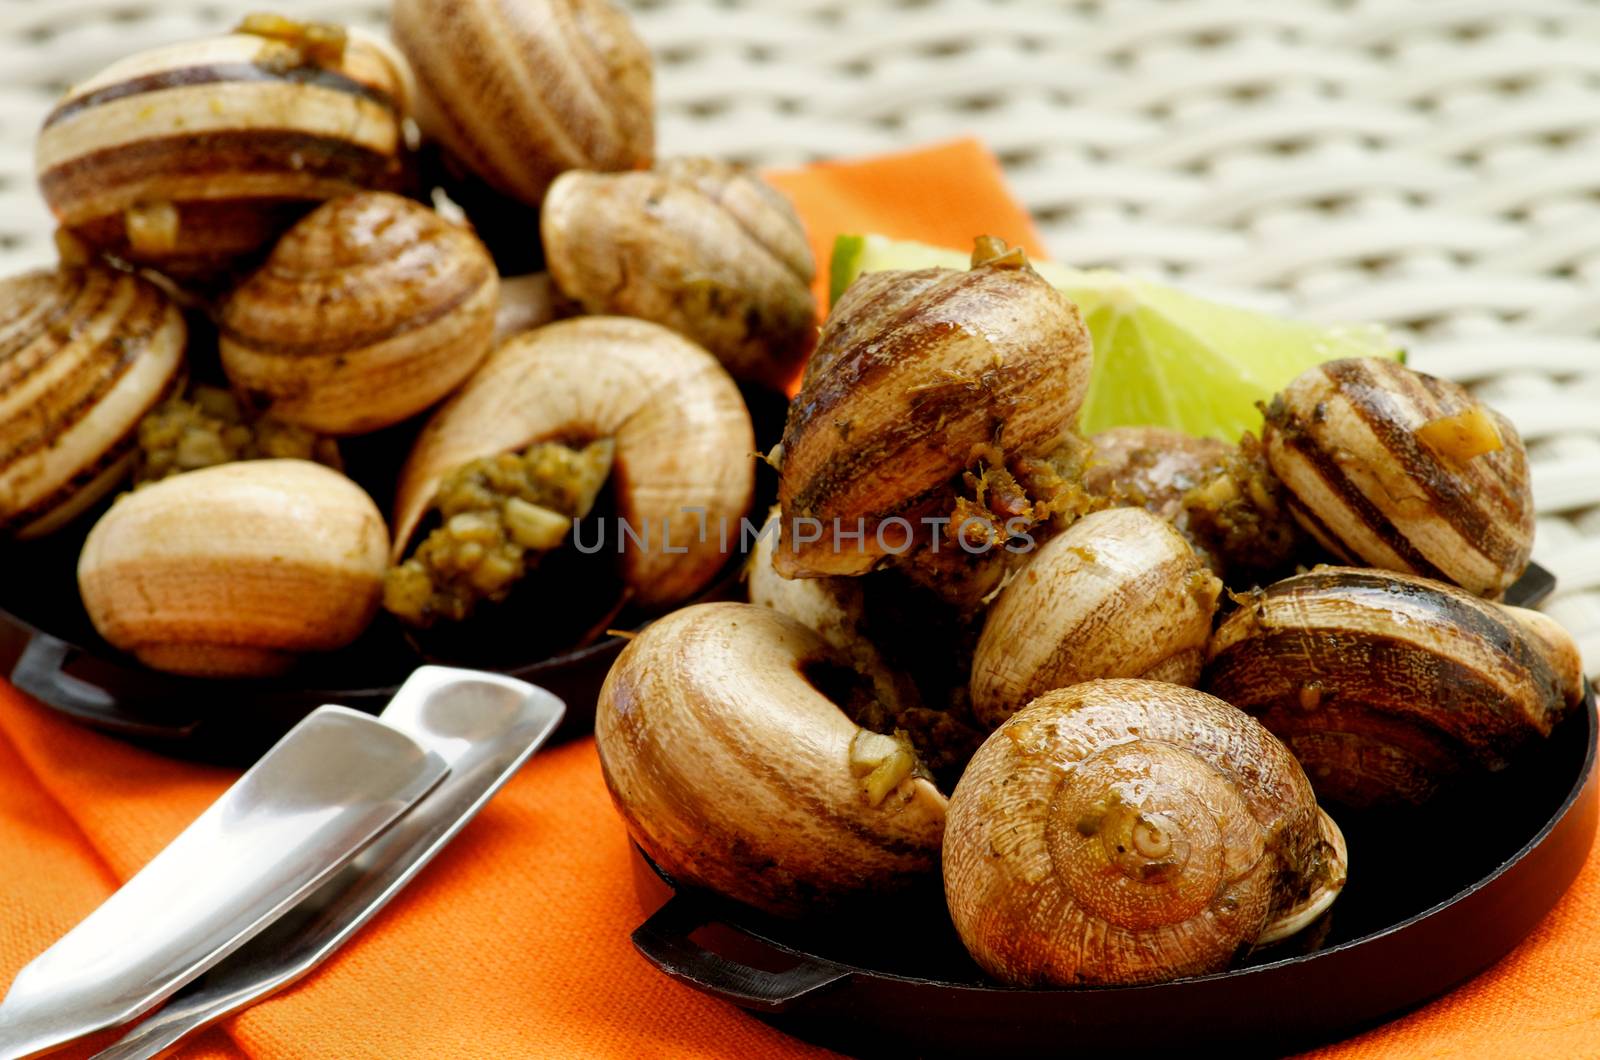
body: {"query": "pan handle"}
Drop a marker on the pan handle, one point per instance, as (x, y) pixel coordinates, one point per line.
(664, 940)
(41, 672)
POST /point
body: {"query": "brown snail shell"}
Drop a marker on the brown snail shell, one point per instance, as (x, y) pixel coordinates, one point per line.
(1117, 594)
(370, 309)
(914, 373)
(235, 570)
(1397, 469)
(734, 773)
(682, 432)
(1385, 685)
(1150, 466)
(84, 354)
(1127, 831)
(521, 90)
(193, 156)
(705, 248)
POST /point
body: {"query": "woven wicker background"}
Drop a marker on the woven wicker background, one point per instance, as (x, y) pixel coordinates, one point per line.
(1433, 164)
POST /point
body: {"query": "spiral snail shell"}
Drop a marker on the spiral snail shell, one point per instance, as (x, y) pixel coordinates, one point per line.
(235, 570)
(735, 773)
(914, 375)
(705, 248)
(1117, 594)
(368, 310)
(1386, 685)
(1403, 471)
(193, 156)
(521, 90)
(683, 439)
(85, 353)
(1125, 831)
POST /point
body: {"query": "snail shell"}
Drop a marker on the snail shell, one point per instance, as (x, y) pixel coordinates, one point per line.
(193, 156)
(84, 354)
(1131, 832)
(1384, 685)
(682, 432)
(705, 248)
(521, 90)
(235, 570)
(1150, 466)
(733, 772)
(1118, 594)
(1403, 471)
(368, 310)
(913, 373)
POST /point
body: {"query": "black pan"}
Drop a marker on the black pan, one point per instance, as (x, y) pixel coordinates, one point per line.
(1436, 895)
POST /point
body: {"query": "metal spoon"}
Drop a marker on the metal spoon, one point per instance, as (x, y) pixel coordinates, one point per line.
(485, 726)
(333, 783)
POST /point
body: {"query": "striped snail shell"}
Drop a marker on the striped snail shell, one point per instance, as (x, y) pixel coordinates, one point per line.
(519, 91)
(84, 354)
(705, 248)
(370, 309)
(1397, 469)
(682, 433)
(235, 570)
(1385, 685)
(735, 773)
(1118, 594)
(1125, 831)
(915, 372)
(193, 156)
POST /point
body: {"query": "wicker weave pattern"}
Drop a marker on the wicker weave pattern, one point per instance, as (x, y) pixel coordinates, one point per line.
(1434, 164)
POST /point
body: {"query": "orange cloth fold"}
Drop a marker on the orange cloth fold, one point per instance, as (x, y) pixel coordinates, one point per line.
(515, 941)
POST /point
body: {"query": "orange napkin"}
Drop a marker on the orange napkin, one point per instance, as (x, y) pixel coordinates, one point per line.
(515, 941)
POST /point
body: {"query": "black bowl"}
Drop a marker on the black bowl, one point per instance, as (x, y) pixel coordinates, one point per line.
(1435, 896)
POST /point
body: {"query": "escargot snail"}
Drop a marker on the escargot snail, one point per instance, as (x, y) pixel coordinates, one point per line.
(193, 156)
(897, 402)
(1127, 831)
(1385, 685)
(235, 570)
(1404, 471)
(703, 247)
(735, 773)
(631, 392)
(1118, 594)
(85, 353)
(521, 90)
(1150, 466)
(369, 310)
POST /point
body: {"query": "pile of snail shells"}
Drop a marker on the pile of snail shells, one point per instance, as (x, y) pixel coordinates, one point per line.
(1116, 826)
(262, 178)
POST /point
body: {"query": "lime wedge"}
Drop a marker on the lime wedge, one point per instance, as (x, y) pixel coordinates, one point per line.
(1161, 357)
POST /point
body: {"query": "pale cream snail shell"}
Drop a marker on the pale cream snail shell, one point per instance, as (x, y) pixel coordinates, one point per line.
(235, 570)
(192, 157)
(1386, 685)
(1397, 469)
(1124, 831)
(705, 248)
(85, 353)
(1117, 594)
(734, 773)
(521, 90)
(897, 402)
(682, 433)
(369, 310)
